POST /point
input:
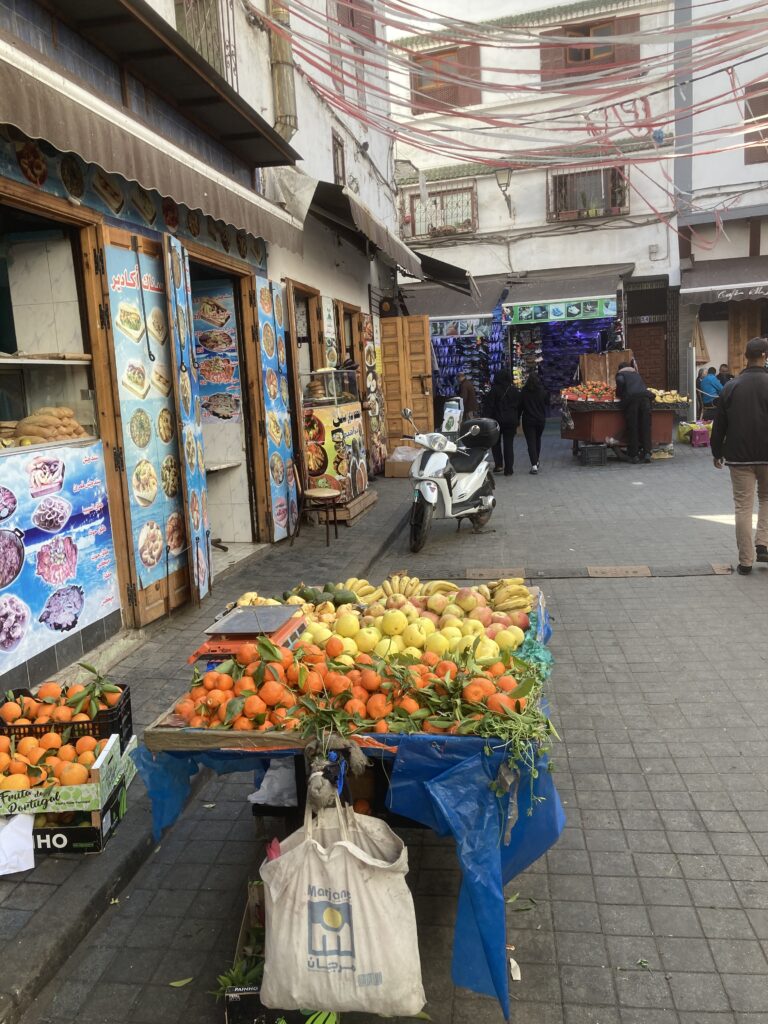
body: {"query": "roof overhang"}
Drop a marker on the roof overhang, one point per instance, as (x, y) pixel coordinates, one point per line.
(137, 38)
(336, 206)
(745, 277)
(449, 276)
(43, 103)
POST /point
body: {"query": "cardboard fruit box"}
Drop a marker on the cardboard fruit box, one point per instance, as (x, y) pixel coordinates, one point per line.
(92, 833)
(108, 770)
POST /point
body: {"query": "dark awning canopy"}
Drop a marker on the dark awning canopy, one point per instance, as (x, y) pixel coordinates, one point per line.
(342, 210)
(141, 41)
(42, 103)
(447, 275)
(725, 280)
(432, 299)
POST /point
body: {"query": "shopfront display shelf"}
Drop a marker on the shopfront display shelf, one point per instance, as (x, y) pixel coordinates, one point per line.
(60, 359)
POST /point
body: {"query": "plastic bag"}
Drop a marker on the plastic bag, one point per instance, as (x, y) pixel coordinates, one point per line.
(566, 420)
(403, 454)
(341, 928)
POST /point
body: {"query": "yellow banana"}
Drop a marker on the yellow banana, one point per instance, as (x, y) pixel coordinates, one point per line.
(350, 583)
(509, 581)
(386, 586)
(394, 582)
(482, 589)
(413, 586)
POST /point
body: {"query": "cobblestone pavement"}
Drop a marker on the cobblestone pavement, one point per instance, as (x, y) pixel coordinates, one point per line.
(653, 906)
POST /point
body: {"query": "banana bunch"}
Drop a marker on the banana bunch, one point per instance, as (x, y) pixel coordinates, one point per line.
(364, 590)
(253, 599)
(439, 587)
(409, 586)
(510, 595)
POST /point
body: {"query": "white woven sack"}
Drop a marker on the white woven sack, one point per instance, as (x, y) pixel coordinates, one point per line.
(341, 928)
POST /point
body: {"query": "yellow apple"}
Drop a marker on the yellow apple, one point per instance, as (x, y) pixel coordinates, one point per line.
(451, 633)
(350, 645)
(437, 643)
(413, 636)
(412, 652)
(321, 634)
(346, 659)
(487, 649)
(471, 627)
(393, 623)
(367, 639)
(509, 639)
(427, 626)
(347, 625)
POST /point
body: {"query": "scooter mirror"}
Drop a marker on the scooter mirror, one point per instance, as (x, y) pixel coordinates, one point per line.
(474, 429)
(407, 414)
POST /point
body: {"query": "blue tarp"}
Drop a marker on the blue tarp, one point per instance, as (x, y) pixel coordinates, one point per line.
(445, 784)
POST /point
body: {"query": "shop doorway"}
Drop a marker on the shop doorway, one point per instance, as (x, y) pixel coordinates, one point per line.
(228, 436)
(553, 349)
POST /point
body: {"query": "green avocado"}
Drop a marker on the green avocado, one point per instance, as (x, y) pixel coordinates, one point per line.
(341, 597)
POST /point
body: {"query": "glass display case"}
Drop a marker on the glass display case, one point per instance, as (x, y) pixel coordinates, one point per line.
(329, 387)
(46, 401)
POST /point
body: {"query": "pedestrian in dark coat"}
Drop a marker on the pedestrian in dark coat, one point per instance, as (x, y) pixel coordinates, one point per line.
(468, 395)
(636, 404)
(502, 403)
(534, 400)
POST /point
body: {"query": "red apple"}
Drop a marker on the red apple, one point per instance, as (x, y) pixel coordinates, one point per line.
(521, 620)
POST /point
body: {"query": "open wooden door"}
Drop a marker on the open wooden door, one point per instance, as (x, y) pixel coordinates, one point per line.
(146, 450)
(744, 322)
(406, 354)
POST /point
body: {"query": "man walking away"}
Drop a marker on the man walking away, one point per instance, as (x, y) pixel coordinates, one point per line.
(740, 441)
(467, 394)
(724, 374)
(711, 389)
(533, 399)
(636, 406)
(502, 403)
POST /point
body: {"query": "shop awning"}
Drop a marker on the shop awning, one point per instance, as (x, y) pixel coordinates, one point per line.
(131, 33)
(448, 276)
(336, 205)
(567, 283)
(432, 299)
(726, 280)
(43, 103)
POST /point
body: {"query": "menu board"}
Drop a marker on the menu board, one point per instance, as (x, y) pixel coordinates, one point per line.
(150, 433)
(374, 397)
(189, 413)
(274, 368)
(215, 327)
(329, 331)
(57, 562)
(335, 446)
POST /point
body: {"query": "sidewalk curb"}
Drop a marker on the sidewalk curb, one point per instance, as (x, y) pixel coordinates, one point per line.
(391, 536)
(45, 944)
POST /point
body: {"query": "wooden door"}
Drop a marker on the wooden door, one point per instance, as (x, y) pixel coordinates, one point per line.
(744, 322)
(146, 443)
(406, 355)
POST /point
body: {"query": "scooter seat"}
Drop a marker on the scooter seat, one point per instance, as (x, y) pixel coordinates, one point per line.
(467, 462)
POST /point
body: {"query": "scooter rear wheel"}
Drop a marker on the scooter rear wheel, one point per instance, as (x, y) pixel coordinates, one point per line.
(421, 520)
(481, 519)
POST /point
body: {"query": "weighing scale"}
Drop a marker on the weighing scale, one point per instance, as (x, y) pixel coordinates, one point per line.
(241, 625)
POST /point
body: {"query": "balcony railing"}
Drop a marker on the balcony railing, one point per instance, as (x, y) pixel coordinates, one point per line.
(209, 26)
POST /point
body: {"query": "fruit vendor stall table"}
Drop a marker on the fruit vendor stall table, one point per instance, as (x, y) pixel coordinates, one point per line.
(604, 422)
(503, 815)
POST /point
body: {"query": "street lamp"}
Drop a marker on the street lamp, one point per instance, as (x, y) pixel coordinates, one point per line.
(503, 180)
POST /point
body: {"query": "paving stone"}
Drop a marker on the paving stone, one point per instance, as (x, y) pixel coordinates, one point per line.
(587, 985)
(737, 956)
(747, 993)
(685, 954)
(698, 991)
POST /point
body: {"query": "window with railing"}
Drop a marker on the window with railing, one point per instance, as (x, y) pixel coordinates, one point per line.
(596, 49)
(587, 192)
(756, 122)
(446, 79)
(446, 211)
(209, 26)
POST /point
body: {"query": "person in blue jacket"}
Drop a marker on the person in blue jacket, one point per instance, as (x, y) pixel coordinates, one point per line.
(711, 389)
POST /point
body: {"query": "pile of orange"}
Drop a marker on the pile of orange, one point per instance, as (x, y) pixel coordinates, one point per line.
(55, 705)
(46, 761)
(285, 689)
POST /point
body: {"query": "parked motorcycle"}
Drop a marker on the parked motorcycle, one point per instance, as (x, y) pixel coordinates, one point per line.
(452, 480)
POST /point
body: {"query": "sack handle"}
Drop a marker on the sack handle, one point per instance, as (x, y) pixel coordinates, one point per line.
(309, 823)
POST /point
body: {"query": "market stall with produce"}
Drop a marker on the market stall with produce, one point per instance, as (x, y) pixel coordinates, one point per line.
(443, 685)
(592, 415)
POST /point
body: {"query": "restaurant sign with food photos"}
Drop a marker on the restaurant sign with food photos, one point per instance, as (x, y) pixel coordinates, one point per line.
(274, 368)
(145, 386)
(215, 326)
(189, 408)
(57, 563)
(67, 176)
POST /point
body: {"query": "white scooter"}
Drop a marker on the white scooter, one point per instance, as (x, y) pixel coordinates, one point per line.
(452, 480)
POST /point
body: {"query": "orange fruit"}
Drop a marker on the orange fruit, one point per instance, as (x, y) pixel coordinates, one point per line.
(111, 699)
(334, 647)
(10, 712)
(408, 704)
(99, 747)
(381, 726)
(500, 703)
(18, 763)
(74, 689)
(49, 691)
(50, 741)
(272, 692)
(246, 654)
(62, 714)
(356, 707)
(27, 744)
(67, 752)
(216, 698)
(79, 717)
(73, 775)
(87, 758)
(361, 806)
(30, 707)
(370, 680)
(449, 668)
(496, 669)
(211, 680)
(250, 670)
(197, 722)
(429, 658)
(242, 724)
(37, 755)
(244, 685)
(185, 708)
(254, 706)
(197, 693)
(274, 671)
(5, 744)
(85, 743)
(5, 760)
(278, 716)
(226, 682)
(17, 780)
(364, 659)
(337, 685)
(23, 721)
(313, 683)
(378, 706)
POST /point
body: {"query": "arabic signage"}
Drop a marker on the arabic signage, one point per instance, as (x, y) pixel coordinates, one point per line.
(274, 368)
(57, 563)
(189, 415)
(67, 176)
(335, 444)
(329, 331)
(560, 310)
(145, 387)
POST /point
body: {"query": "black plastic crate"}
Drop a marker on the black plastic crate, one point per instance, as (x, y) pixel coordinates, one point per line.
(117, 719)
(593, 455)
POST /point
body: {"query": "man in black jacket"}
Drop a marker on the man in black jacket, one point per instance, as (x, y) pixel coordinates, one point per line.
(636, 405)
(740, 441)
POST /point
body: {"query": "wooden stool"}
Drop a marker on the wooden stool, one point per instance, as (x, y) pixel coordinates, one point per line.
(322, 499)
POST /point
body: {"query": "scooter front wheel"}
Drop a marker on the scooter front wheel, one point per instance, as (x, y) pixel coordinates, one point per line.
(421, 520)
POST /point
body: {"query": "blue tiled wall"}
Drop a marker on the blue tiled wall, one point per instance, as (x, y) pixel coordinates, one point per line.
(32, 25)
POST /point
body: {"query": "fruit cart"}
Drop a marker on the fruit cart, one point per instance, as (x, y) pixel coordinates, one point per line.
(443, 684)
(592, 415)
